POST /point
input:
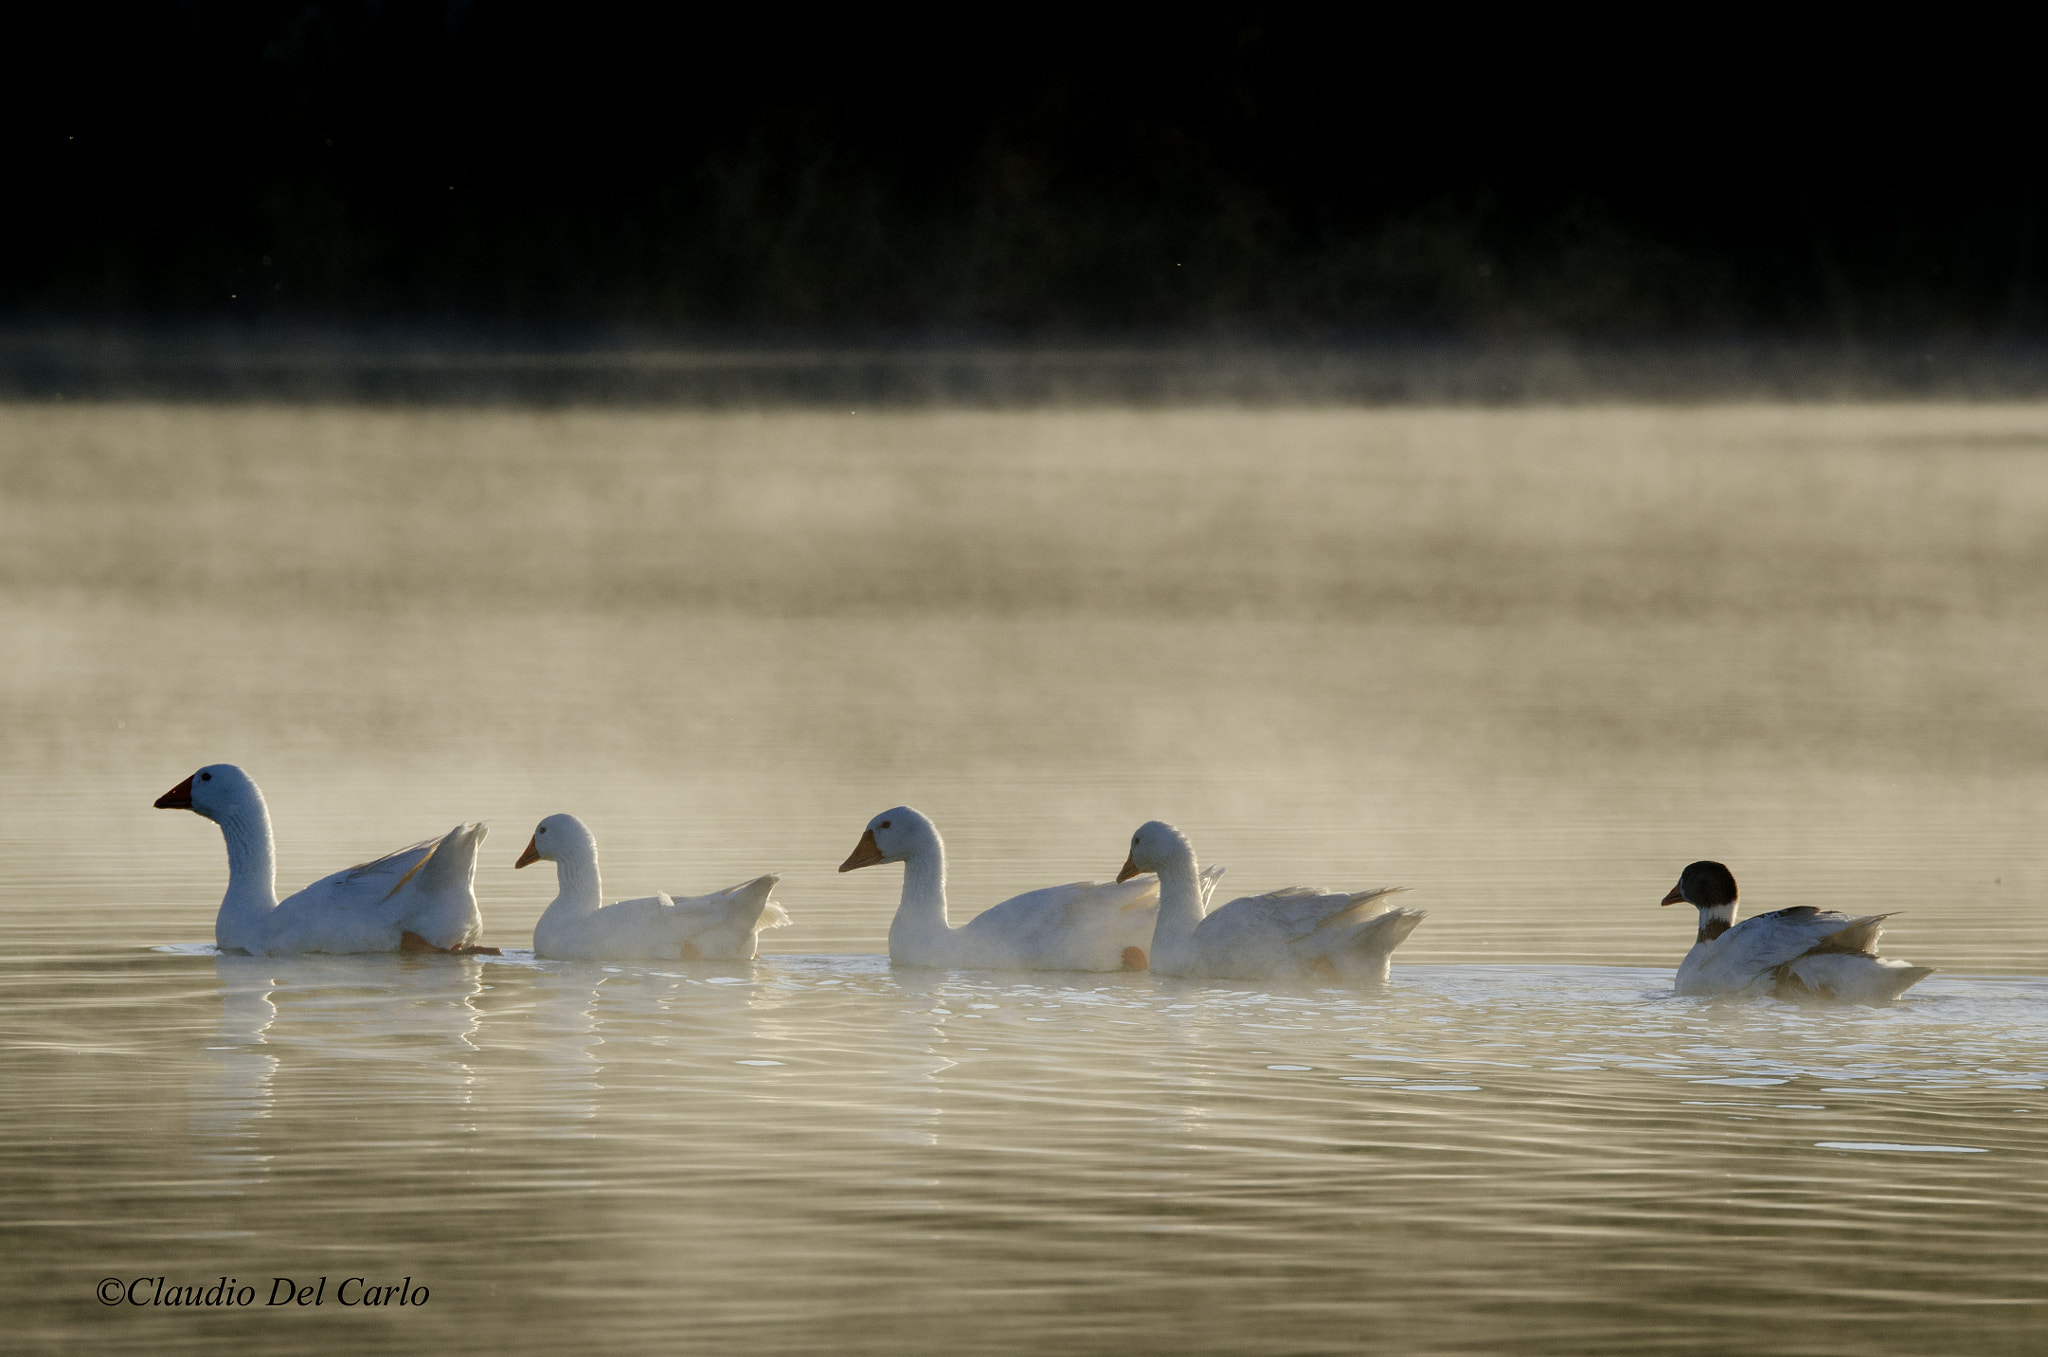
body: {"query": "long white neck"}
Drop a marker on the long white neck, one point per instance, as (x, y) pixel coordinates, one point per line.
(1714, 921)
(252, 873)
(578, 887)
(920, 921)
(1180, 904)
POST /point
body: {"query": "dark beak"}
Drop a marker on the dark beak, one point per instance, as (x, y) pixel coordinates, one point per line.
(532, 853)
(1130, 869)
(178, 797)
(1677, 896)
(864, 853)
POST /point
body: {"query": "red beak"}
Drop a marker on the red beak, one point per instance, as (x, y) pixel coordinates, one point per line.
(178, 797)
(1677, 897)
(532, 853)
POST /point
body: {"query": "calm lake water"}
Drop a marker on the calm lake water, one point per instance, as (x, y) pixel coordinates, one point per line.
(1527, 662)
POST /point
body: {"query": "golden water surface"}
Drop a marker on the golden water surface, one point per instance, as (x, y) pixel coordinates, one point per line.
(1527, 662)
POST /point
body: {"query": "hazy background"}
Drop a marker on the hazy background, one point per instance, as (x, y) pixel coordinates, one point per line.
(1531, 661)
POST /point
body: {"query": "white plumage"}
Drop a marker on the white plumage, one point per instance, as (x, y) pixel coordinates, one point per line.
(1293, 934)
(1082, 926)
(722, 926)
(1796, 953)
(422, 897)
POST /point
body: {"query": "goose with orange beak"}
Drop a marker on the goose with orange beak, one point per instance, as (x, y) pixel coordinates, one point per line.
(1797, 953)
(1082, 926)
(722, 926)
(419, 899)
(1299, 934)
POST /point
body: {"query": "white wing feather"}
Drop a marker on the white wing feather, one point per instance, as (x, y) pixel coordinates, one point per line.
(1746, 958)
(425, 888)
(721, 926)
(1300, 933)
(1081, 926)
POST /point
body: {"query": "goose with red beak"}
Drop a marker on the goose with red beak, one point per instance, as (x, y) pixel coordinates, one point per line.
(1797, 953)
(420, 898)
(1083, 926)
(1299, 934)
(722, 926)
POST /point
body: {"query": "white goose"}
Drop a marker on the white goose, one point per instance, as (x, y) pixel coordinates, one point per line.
(421, 898)
(1294, 934)
(1798, 953)
(722, 926)
(1084, 926)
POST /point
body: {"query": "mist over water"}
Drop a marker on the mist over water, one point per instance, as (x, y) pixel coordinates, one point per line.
(1529, 662)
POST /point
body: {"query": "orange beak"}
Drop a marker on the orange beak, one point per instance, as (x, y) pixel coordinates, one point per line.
(178, 797)
(1130, 869)
(864, 853)
(1677, 897)
(532, 853)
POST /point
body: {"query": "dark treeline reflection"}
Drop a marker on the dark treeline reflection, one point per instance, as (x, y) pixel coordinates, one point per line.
(1023, 170)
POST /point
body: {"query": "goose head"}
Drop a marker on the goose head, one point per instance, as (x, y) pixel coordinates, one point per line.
(556, 837)
(214, 791)
(1157, 844)
(892, 836)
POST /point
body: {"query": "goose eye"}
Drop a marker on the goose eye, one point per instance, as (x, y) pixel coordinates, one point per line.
(206, 777)
(542, 830)
(883, 825)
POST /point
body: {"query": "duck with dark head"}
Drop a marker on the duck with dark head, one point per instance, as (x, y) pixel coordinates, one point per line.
(1796, 953)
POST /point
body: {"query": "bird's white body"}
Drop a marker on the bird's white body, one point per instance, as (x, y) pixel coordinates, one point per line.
(1294, 934)
(722, 926)
(1801, 952)
(1082, 926)
(426, 890)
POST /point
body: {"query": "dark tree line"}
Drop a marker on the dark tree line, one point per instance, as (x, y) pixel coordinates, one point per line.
(1263, 170)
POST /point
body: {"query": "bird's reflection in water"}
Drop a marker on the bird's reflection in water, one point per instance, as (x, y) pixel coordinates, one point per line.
(320, 1017)
(594, 1017)
(916, 1074)
(231, 1090)
(566, 1033)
